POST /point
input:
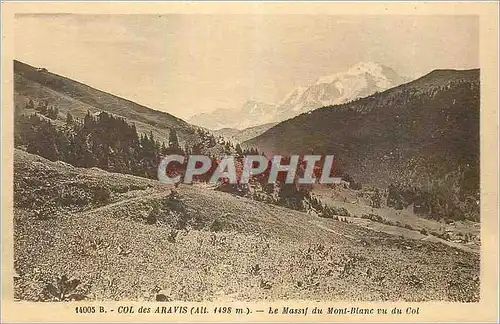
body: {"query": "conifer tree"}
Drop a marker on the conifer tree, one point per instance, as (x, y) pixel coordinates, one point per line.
(173, 143)
(69, 118)
(239, 151)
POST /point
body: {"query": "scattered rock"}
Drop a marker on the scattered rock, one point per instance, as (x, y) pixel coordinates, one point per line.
(265, 284)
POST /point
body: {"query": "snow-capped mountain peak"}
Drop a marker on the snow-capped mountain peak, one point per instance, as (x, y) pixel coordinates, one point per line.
(359, 80)
(293, 95)
(371, 68)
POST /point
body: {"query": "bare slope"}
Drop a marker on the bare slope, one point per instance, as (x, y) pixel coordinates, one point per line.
(244, 134)
(125, 237)
(464, 234)
(416, 133)
(78, 98)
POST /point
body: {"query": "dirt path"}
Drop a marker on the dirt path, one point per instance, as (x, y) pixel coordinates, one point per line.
(377, 227)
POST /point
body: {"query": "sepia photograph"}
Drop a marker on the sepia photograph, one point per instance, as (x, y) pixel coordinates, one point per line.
(252, 157)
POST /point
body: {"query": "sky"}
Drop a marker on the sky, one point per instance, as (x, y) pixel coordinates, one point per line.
(186, 64)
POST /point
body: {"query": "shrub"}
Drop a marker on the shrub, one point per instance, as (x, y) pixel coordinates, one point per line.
(388, 222)
(152, 216)
(63, 289)
(102, 195)
(216, 226)
(376, 199)
(355, 185)
(343, 212)
(374, 217)
(414, 281)
(332, 211)
(255, 269)
(407, 226)
(172, 236)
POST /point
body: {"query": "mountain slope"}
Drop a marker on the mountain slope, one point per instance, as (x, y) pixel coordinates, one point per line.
(245, 134)
(128, 238)
(75, 97)
(419, 133)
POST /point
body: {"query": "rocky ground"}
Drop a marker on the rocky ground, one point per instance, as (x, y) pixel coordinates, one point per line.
(93, 235)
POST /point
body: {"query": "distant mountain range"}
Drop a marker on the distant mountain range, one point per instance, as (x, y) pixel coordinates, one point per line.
(358, 81)
(77, 98)
(252, 113)
(420, 133)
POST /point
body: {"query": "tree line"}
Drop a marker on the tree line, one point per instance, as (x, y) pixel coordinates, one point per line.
(107, 142)
(110, 143)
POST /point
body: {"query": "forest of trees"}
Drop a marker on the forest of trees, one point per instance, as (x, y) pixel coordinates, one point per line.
(98, 141)
(435, 203)
(106, 142)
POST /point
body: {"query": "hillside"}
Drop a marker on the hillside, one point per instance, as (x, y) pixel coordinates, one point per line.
(424, 133)
(357, 81)
(77, 98)
(110, 236)
(244, 134)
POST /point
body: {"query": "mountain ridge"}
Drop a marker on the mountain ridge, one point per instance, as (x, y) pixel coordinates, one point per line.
(244, 134)
(420, 132)
(76, 97)
(253, 112)
(360, 80)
